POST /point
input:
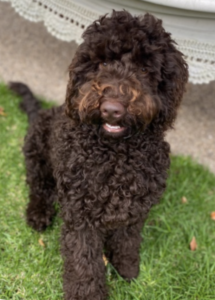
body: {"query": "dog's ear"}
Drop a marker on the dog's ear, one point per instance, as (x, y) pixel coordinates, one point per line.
(72, 89)
(81, 70)
(79, 73)
(174, 74)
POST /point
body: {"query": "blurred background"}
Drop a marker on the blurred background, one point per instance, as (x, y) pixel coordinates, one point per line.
(30, 54)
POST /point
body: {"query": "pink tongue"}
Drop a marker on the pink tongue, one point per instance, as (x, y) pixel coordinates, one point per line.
(109, 129)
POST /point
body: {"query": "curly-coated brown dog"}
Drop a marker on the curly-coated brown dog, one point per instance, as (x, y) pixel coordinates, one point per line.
(102, 154)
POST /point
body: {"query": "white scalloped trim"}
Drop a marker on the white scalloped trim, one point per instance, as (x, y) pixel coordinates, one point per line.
(200, 58)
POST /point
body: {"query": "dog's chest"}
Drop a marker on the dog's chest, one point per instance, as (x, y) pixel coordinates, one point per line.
(106, 173)
(106, 185)
(109, 184)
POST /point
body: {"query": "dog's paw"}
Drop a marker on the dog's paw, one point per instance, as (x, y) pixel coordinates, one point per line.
(40, 220)
(128, 272)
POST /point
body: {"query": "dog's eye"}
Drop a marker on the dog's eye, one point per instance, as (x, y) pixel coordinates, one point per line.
(101, 65)
(144, 71)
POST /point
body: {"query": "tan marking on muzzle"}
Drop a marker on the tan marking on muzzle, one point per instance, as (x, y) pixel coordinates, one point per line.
(147, 108)
(100, 88)
(88, 101)
(127, 90)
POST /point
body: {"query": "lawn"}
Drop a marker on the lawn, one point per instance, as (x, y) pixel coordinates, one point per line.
(30, 263)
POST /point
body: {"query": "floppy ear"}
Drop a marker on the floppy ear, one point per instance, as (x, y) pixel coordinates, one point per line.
(174, 74)
(81, 70)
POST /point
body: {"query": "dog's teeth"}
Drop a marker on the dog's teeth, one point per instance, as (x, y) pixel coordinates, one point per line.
(111, 126)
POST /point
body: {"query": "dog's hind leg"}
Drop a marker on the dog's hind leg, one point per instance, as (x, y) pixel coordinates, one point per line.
(40, 209)
(122, 250)
(42, 194)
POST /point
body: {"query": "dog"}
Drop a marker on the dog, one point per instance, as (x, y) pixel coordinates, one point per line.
(102, 154)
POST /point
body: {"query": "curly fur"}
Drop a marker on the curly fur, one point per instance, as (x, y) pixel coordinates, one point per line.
(105, 183)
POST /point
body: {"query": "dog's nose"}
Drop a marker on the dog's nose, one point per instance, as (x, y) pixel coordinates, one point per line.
(112, 110)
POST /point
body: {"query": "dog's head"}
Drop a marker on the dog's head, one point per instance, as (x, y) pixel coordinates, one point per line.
(126, 75)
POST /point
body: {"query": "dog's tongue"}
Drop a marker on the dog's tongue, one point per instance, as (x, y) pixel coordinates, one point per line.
(112, 128)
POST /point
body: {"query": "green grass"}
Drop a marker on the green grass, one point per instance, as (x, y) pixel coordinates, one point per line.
(168, 270)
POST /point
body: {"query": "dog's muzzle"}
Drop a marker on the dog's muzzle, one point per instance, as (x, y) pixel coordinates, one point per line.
(112, 112)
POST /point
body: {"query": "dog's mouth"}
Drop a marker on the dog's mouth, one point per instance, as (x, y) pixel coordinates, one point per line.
(113, 128)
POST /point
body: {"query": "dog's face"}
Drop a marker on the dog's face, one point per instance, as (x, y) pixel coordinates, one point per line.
(126, 75)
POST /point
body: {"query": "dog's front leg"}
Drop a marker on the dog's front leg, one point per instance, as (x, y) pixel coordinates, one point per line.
(122, 250)
(84, 270)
